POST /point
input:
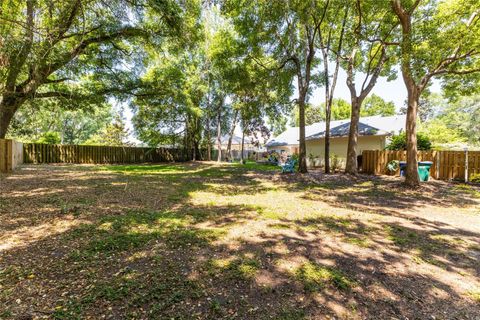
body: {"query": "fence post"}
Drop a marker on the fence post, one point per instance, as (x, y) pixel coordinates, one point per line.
(466, 164)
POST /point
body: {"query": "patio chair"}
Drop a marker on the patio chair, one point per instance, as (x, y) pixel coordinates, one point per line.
(289, 166)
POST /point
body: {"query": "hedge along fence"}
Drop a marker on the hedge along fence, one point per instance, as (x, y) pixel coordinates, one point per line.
(11, 154)
(447, 165)
(54, 153)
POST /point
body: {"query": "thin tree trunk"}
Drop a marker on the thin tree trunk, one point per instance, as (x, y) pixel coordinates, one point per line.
(357, 101)
(232, 130)
(219, 135)
(242, 161)
(302, 156)
(327, 143)
(209, 139)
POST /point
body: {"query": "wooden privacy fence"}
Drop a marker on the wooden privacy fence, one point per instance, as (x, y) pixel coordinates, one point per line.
(447, 165)
(11, 154)
(52, 153)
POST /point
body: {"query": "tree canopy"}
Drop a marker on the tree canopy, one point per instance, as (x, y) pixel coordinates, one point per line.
(191, 71)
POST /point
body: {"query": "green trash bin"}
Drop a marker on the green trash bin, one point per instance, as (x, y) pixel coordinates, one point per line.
(424, 170)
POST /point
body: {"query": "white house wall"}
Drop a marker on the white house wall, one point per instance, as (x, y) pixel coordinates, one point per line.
(338, 146)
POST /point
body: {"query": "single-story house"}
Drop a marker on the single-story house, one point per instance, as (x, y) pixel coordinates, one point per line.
(236, 143)
(374, 133)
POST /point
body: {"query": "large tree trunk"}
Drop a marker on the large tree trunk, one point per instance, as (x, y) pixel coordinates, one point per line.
(198, 152)
(302, 154)
(351, 166)
(412, 179)
(8, 107)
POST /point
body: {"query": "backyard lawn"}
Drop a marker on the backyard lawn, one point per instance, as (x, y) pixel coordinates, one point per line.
(226, 241)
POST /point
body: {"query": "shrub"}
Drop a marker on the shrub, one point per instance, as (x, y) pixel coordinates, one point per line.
(334, 162)
(50, 138)
(475, 178)
(399, 142)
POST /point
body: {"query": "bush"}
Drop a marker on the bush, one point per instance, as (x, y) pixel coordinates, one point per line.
(49, 138)
(399, 142)
(475, 178)
(334, 162)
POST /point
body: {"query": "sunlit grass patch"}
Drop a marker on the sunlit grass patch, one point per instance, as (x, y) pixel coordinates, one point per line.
(465, 188)
(252, 165)
(447, 239)
(149, 169)
(359, 241)
(419, 259)
(280, 226)
(401, 236)
(474, 294)
(239, 268)
(315, 277)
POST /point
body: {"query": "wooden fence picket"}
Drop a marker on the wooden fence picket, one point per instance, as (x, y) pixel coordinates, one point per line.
(447, 165)
(46, 153)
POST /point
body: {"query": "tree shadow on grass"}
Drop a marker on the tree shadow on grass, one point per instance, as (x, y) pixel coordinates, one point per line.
(162, 265)
(138, 258)
(386, 195)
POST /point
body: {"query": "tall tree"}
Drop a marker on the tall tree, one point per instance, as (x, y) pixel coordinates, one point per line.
(439, 39)
(286, 30)
(330, 40)
(113, 134)
(366, 52)
(167, 109)
(375, 105)
(47, 46)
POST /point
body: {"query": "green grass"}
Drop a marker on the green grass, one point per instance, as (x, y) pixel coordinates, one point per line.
(166, 287)
(196, 240)
(252, 165)
(359, 241)
(401, 236)
(148, 169)
(237, 268)
(465, 188)
(291, 314)
(315, 277)
(475, 295)
(137, 228)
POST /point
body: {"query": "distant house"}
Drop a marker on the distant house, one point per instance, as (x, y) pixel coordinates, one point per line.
(236, 143)
(374, 133)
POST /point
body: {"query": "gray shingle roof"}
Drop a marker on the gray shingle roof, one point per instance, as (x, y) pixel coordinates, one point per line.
(383, 125)
(343, 130)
